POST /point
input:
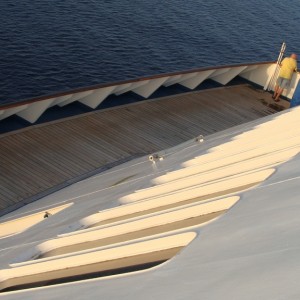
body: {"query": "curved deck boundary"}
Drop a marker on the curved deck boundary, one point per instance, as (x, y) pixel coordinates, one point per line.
(65, 184)
(41, 159)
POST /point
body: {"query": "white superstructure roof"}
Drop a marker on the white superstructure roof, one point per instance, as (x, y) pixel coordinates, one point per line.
(248, 177)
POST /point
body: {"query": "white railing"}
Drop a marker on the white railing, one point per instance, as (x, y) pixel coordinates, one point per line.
(32, 109)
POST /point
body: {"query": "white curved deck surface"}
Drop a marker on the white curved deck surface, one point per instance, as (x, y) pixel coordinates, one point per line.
(250, 252)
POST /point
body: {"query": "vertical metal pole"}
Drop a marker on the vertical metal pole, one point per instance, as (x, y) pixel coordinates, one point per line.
(271, 82)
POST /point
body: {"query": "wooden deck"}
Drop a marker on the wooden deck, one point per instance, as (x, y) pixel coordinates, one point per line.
(43, 157)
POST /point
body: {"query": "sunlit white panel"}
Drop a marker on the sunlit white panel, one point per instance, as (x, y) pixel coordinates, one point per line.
(20, 224)
(148, 89)
(172, 80)
(94, 99)
(197, 79)
(11, 111)
(229, 75)
(34, 110)
(93, 260)
(132, 87)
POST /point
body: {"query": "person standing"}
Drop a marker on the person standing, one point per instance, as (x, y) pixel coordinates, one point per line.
(288, 66)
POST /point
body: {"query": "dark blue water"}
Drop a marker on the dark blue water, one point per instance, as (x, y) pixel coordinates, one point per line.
(49, 46)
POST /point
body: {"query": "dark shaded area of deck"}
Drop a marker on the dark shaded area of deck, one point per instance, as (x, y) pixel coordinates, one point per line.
(42, 158)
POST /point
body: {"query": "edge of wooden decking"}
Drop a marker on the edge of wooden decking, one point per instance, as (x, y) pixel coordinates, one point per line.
(40, 159)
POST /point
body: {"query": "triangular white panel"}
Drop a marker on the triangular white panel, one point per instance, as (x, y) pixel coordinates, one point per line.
(66, 102)
(148, 89)
(11, 111)
(181, 78)
(35, 110)
(81, 95)
(197, 79)
(271, 81)
(94, 99)
(60, 99)
(249, 69)
(219, 72)
(121, 87)
(261, 75)
(75, 97)
(132, 87)
(172, 80)
(187, 76)
(229, 75)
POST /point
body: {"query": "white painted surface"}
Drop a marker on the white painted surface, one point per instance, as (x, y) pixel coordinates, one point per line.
(121, 87)
(172, 80)
(48, 270)
(148, 89)
(261, 75)
(204, 176)
(219, 72)
(58, 100)
(11, 111)
(20, 224)
(131, 87)
(193, 82)
(224, 78)
(94, 99)
(134, 226)
(34, 110)
(251, 252)
(75, 97)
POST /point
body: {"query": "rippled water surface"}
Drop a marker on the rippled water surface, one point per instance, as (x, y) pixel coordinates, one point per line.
(56, 45)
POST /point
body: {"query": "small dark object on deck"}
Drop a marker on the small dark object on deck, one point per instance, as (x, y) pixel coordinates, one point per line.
(276, 107)
(47, 214)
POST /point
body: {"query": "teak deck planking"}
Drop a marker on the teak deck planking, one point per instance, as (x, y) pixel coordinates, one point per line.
(41, 157)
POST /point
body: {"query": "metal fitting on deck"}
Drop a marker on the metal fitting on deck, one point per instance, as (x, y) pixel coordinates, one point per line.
(199, 139)
(155, 157)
